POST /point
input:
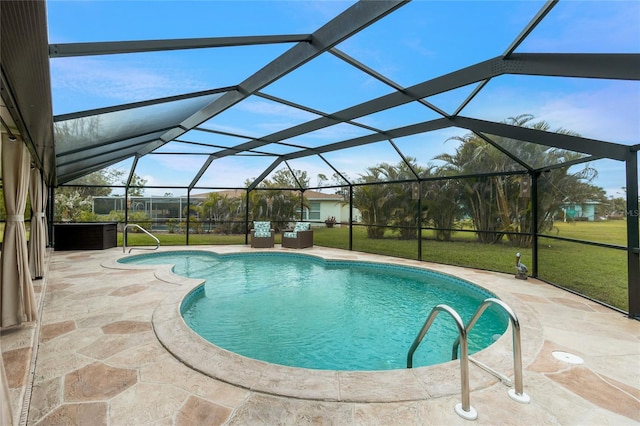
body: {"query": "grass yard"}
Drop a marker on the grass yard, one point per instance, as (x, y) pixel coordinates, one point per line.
(597, 272)
(608, 231)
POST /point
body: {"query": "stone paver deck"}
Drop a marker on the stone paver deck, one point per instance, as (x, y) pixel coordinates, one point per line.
(110, 349)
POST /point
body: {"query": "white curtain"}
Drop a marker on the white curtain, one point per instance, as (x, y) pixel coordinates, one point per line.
(17, 299)
(38, 235)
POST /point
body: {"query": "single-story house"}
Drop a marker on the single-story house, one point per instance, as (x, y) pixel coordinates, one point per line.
(580, 211)
(323, 206)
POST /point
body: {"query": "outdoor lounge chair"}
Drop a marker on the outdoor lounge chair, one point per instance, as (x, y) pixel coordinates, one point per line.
(262, 235)
(300, 237)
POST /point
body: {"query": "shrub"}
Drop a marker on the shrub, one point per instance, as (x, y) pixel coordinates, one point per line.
(140, 219)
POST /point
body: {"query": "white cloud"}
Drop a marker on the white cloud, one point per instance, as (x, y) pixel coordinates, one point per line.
(272, 108)
(588, 26)
(229, 173)
(605, 110)
(120, 81)
(610, 115)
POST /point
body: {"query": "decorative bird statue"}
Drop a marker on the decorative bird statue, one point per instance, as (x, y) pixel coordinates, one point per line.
(521, 268)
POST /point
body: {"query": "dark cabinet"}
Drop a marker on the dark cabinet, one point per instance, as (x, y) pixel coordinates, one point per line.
(85, 236)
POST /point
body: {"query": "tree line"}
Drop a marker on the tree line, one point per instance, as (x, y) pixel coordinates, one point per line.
(478, 184)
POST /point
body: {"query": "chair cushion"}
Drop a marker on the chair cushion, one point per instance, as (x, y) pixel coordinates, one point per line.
(302, 226)
(290, 234)
(261, 225)
(261, 229)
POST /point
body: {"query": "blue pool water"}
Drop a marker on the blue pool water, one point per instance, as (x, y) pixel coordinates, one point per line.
(301, 311)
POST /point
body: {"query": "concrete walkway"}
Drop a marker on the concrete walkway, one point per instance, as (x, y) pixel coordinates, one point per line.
(111, 350)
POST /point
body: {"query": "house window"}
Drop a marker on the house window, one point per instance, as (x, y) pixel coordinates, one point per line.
(314, 210)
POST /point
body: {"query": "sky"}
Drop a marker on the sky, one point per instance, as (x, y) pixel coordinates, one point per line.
(419, 41)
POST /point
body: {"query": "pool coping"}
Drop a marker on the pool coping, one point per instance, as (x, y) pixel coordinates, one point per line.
(327, 385)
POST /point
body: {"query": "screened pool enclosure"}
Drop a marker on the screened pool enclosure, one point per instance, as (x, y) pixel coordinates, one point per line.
(450, 132)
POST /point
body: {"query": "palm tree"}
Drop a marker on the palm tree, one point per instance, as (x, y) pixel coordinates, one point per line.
(495, 203)
(221, 210)
(387, 204)
(442, 203)
(273, 200)
(478, 194)
(374, 202)
(402, 209)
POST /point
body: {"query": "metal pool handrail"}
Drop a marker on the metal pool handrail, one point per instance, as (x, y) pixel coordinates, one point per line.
(464, 410)
(124, 238)
(516, 394)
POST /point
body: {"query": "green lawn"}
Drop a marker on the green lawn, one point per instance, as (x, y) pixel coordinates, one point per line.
(609, 231)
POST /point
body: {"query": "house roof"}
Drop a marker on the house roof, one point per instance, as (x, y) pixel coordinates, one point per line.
(320, 196)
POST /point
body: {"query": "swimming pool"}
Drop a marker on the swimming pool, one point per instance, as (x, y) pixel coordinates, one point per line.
(306, 312)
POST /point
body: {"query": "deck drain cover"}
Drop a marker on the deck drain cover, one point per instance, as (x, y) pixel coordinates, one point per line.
(567, 357)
